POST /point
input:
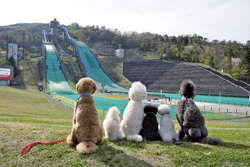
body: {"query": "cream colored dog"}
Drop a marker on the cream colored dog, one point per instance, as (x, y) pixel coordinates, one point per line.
(166, 130)
(111, 124)
(134, 113)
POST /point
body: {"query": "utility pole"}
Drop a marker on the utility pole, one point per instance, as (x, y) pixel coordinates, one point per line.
(23, 41)
(29, 43)
(7, 48)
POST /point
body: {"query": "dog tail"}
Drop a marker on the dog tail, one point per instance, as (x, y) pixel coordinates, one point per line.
(86, 147)
(137, 138)
(113, 112)
(212, 141)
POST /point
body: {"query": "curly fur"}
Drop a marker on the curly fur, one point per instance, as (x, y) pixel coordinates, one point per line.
(86, 131)
(133, 113)
(187, 89)
(193, 120)
(150, 124)
(192, 115)
(166, 130)
(111, 124)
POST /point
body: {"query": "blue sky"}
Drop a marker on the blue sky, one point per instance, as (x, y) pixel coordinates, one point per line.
(213, 19)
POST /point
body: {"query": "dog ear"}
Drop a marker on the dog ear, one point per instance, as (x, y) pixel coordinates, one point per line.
(94, 88)
(78, 88)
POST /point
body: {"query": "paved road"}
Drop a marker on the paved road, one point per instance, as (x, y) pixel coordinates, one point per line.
(241, 111)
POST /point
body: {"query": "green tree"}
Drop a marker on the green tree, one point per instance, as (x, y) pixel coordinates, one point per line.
(144, 46)
(236, 72)
(174, 39)
(247, 57)
(12, 62)
(211, 62)
(203, 58)
(227, 64)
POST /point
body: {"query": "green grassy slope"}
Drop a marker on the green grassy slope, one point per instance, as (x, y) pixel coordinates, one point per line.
(27, 117)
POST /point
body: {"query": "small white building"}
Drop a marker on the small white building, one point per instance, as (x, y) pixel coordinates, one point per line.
(119, 52)
(12, 51)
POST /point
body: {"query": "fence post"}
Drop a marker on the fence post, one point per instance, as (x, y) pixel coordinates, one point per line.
(103, 112)
(226, 115)
(246, 113)
(212, 116)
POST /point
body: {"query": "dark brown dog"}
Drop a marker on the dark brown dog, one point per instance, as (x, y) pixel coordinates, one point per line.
(86, 131)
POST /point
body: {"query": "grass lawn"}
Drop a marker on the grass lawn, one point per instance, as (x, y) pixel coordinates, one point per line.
(27, 117)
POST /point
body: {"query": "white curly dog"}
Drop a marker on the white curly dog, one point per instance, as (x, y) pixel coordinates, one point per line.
(166, 130)
(111, 124)
(133, 114)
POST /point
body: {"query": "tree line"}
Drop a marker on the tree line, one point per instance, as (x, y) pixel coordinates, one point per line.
(14, 33)
(230, 57)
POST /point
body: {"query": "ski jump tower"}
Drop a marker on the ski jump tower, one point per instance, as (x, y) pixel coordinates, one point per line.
(54, 25)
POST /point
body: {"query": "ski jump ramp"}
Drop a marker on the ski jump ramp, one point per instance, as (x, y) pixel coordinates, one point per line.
(91, 66)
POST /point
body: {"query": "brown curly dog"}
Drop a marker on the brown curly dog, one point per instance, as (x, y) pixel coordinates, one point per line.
(86, 131)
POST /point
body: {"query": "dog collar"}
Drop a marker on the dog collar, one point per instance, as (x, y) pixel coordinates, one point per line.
(79, 98)
(186, 99)
(164, 114)
(83, 94)
(151, 113)
(136, 100)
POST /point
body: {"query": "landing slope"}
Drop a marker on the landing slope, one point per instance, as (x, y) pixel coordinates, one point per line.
(94, 70)
(59, 86)
(54, 74)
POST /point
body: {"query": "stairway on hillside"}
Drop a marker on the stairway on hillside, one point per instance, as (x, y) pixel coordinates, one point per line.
(168, 75)
(238, 83)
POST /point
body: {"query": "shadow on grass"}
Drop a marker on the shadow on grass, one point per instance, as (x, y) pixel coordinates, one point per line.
(235, 146)
(111, 156)
(142, 145)
(132, 144)
(194, 145)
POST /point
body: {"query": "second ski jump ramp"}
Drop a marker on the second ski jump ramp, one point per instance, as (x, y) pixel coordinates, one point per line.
(91, 66)
(94, 70)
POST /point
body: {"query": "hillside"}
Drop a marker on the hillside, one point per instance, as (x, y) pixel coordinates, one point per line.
(230, 57)
(15, 34)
